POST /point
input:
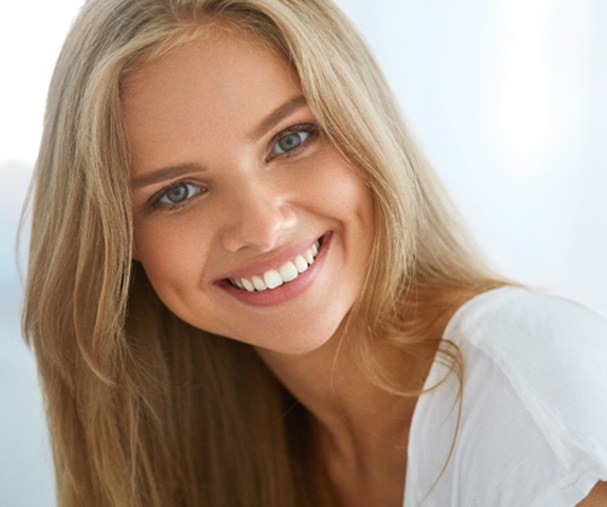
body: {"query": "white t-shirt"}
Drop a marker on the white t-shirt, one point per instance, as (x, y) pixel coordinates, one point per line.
(533, 428)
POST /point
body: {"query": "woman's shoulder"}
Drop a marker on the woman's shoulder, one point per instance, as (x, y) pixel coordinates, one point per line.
(550, 354)
(552, 351)
(503, 318)
(531, 427)
(534, 337)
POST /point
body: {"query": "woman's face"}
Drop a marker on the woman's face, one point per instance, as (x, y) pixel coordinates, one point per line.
(234, 190)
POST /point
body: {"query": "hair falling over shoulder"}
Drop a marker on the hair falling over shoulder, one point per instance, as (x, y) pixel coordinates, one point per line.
(143, 409)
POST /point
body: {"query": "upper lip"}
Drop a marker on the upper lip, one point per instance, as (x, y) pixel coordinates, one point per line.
(272, 260)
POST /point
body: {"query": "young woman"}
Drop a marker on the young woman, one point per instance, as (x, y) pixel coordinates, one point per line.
(247, 288)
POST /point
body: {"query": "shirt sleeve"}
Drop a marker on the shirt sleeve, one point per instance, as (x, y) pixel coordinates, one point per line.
(533, 422)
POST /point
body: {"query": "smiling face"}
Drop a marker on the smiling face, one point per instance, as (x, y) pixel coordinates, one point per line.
(248, 221)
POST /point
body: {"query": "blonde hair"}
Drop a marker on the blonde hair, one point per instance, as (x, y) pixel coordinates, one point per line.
(143, 409)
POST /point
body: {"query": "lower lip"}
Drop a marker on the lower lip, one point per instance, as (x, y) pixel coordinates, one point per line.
(288, 290)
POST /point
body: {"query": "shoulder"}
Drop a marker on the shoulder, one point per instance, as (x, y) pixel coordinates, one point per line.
(551, 351)
(534, 403)
(537, 340)
(506, 317)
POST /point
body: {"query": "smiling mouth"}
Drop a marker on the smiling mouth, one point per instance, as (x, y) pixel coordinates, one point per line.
(275, 278)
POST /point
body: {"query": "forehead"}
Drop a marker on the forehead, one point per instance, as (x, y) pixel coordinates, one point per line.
(218, 83)
(200, 56)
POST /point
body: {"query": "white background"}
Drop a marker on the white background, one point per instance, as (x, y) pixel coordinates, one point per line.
(508, 98)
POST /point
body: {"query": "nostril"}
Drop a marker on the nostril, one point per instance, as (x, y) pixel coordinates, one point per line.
(258, 223)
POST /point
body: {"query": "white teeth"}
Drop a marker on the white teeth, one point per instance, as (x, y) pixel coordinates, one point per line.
(258, 283)
(272, 279)
(247, 285)
(276, 277)
(288, 272)
(309, 256)
(300, 264)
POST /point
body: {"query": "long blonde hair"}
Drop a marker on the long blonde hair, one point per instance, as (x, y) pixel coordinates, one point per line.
(143, 409)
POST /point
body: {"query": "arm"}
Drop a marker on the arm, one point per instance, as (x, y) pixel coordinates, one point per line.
(597, 497)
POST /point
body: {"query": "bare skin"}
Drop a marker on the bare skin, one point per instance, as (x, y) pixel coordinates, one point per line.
(217, 197)
(362, 431)
(597, 497)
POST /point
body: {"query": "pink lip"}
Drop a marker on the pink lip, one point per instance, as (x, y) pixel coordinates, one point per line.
(274, 262)
(285, 292)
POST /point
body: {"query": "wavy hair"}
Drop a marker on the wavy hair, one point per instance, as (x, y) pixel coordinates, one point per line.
(143, 409)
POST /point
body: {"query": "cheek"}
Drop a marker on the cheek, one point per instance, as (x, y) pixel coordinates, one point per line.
(362, 195)
(171, 255)
(355, 203)
(352, 198)
(337, 184)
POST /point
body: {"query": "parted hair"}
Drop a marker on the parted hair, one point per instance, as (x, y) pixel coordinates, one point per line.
(143, 409)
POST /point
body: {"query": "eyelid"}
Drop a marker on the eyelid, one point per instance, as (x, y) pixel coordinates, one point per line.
(310, 128)
(154, 200)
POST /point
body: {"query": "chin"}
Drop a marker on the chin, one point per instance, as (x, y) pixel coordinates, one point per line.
(300, 345)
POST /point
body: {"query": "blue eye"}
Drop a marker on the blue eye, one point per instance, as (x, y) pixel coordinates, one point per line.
(178, 194)
(291, 139)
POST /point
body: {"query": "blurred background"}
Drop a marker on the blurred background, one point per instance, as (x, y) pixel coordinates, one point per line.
(508, 99)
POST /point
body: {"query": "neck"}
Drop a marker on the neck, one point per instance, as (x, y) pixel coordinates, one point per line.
(359, 426)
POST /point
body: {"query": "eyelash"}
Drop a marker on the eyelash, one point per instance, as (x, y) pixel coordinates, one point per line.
(307, 128)
(156, 201)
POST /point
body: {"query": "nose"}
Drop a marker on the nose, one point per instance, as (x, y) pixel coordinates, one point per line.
(260, 215)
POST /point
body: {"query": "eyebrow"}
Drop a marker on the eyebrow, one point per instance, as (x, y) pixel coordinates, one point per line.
(165, 174)
(277, 115)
